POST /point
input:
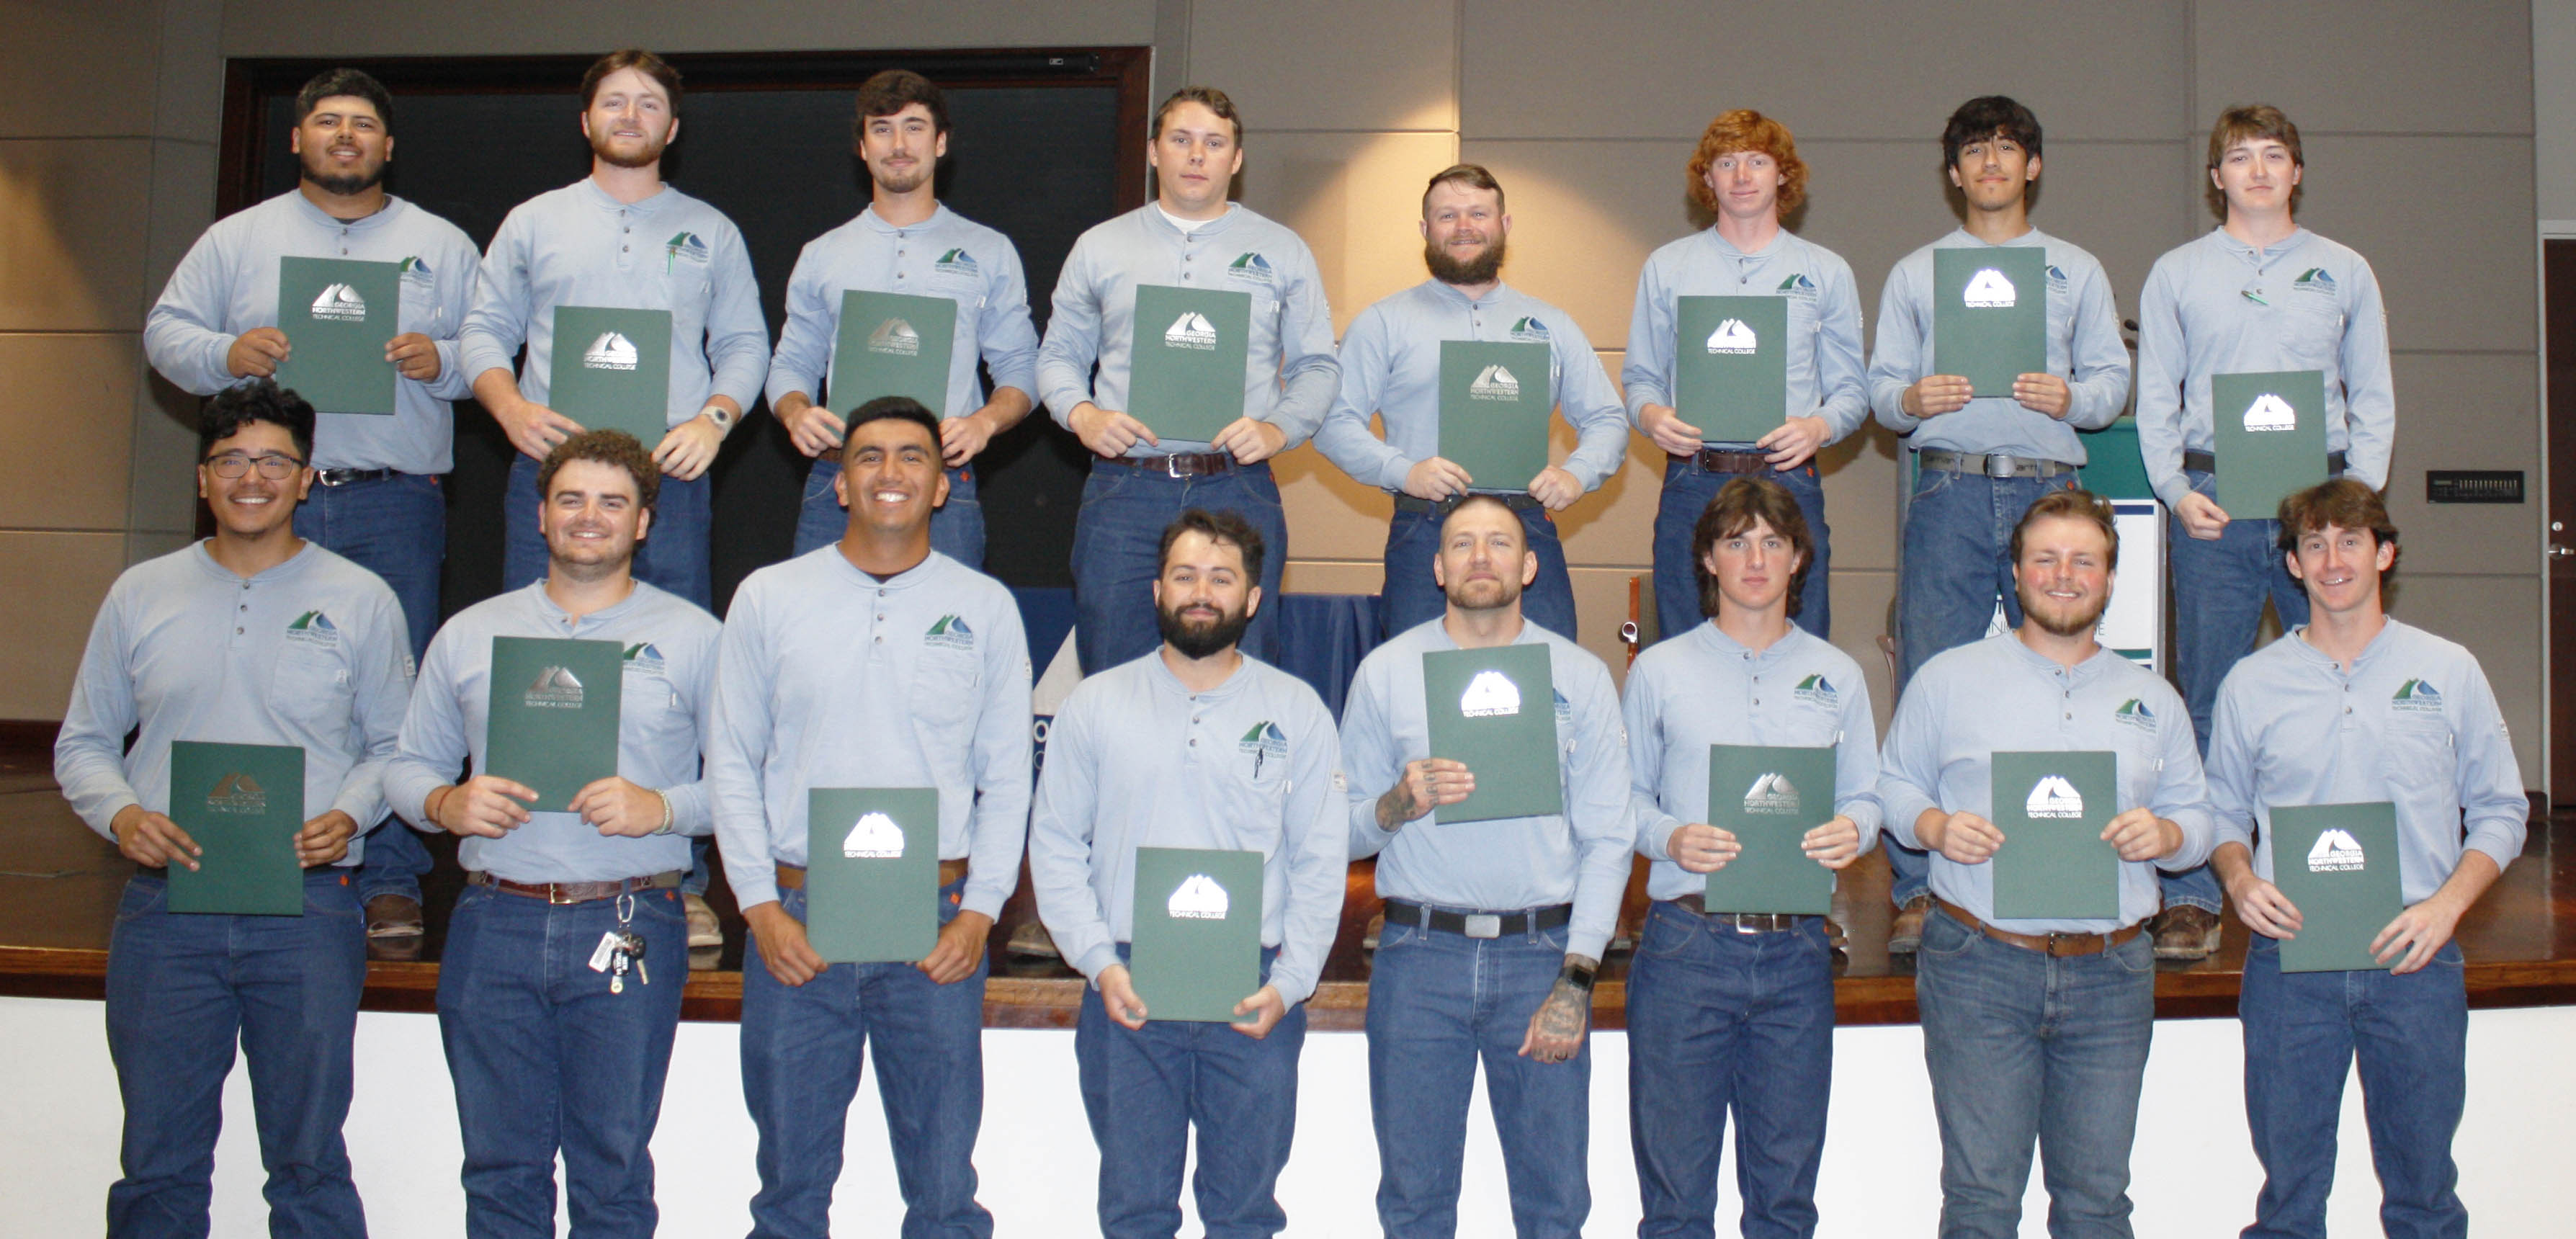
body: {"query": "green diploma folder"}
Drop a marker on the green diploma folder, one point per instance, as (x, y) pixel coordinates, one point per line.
(243, 804)
(338, 314)
(1495, 710)
(1990, 315)
(1769, 798)
(2337, 863)
(872, 873)
(1186, 364)
(1494, 402)
(892, 345)
(1195, 950)
(2054, 865)
(612, 370)
(1731, 366)
(552, 723)
(2269, 434)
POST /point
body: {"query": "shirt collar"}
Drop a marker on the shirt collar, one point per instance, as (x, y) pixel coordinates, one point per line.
(325, 219)
(2229, 242)
(1778, 237)
(1160, 673)
(1718, 642)
(1154, 217)
(555, 615)
(1450, 293)
(599, 198)
(905, 579)
(280, 570)
(2084, 670)
(876, 223)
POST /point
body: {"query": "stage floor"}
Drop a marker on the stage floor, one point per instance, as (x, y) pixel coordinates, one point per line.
(59, 885)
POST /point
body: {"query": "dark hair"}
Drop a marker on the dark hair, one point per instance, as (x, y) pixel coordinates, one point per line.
(894, 90)
(639, 60)
(1482, 499)
(2244, 123)
(1208, 96)
(2071, 504)
(1222, 525)
(1989, 116)
(901, 408)
(607, 447)
(1471, 175)
(260, 400)
(2342, 503)
(353, 83)
(1733, 510)
(1747, 130)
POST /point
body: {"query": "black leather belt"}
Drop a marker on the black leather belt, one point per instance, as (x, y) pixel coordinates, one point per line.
(1518, 501)
(1991, 464)
(1178, 465)
(2203, 462)
(1745, 922)
(1478, 924)
(1721, 460)
(351, 477)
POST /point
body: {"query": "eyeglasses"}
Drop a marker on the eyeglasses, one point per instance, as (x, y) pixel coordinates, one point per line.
(274, 467)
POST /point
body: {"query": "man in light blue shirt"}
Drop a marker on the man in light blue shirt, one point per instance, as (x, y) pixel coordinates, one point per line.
(1734, 1012)
(906, 242)
(2037, 1029)
(254, 636)
(1391, 368)
(2352, 708)
(872, 662)
(1195, 745)
(557, 1034)
(376, 497)
(1190, 236)
(621, 238)
(1746, 173)
(1493, 928)
(1982, 458)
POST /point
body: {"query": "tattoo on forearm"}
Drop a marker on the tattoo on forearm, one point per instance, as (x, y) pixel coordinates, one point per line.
(1395, 808)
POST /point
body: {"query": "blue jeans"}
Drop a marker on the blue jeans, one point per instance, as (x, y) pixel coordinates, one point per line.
(956, 529)
(394, 527)
(1720, 1022)
(181, 990)
(1145, 1089)
(1411, 597)
(2302, 1032)
(1687, 490)
(1438, 1003)
(2023, 1046)
(2218, 590)
(546, 1060)
(672, 556)
(1117, 555)
(802, 1047)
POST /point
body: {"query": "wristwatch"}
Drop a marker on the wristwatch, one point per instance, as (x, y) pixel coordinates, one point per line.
(716, 413)
(1578, 976)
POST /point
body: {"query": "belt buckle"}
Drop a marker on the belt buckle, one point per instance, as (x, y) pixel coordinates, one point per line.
(1999, 465)
(1172, 467)
(558, 895)
(1484, 925)
(2057, 938)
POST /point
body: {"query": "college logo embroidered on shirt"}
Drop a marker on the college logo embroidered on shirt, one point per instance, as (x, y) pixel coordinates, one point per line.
(2054, 797)
(2336, 852)
(416, 271)
(1733, 336)
(1489, 694)
(957, 262)
(1253, 267)
(1264, 744)
(1530, 330)
(340, 303)
(313, 628)
(643, 656)
(895, 338)
(2134, 713)
(2416, 697)
(2056, 277)
(1198, 898)
(683, 245)
(2314, 280)
(611, 351)
(237, 793)
(1772, 795)
(1816, 690)
(1191, 331)
(950, 633)
(556, 688)
(873, 837)
(2270, 412)
(1798, 286)
(1989, 290)
(1494, 383)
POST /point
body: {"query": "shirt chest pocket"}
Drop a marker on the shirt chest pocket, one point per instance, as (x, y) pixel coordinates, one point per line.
(651, 701)
(2312, 331)
(944, 685)
(2419, 756)
(421, 309)
(311, 691)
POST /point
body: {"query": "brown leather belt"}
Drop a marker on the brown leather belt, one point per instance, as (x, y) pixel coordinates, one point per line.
(2206, 463)
(1179, 464)
(576, 892)
(792, 877)
(1718, 460)
(1744, 922)
(2058, 945)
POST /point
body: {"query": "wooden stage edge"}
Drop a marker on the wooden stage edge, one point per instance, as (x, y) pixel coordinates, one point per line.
(1338, 1006)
